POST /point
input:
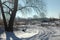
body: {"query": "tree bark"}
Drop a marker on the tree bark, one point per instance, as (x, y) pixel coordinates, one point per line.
(11, 21)
(9, 27)
(4, 19)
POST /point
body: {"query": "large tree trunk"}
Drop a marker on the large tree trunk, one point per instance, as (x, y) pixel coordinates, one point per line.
(11, 21)
(4, 19)
(9, 27)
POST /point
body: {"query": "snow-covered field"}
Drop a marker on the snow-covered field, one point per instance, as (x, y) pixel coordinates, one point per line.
(31, 32)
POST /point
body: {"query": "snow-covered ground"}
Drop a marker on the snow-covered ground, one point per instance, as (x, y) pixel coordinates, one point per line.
(31, 32)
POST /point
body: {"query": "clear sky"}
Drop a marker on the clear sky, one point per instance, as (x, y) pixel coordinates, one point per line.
(53, 8)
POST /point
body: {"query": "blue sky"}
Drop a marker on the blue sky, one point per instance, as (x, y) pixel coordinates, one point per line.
(53, 8)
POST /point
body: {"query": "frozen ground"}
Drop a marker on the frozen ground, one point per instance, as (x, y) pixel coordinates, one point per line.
(31, 32)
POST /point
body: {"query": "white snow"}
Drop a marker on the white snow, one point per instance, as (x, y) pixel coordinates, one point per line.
(27, 34)
(37, 32)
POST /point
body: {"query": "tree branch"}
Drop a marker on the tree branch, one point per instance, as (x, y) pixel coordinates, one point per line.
(29, 6)
(8, 7)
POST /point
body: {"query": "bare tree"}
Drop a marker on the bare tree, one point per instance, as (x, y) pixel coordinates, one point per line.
(28, 7)
(9, 26)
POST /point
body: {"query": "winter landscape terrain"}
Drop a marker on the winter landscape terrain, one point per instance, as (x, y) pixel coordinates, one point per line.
(38, 31)
(29, 20)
